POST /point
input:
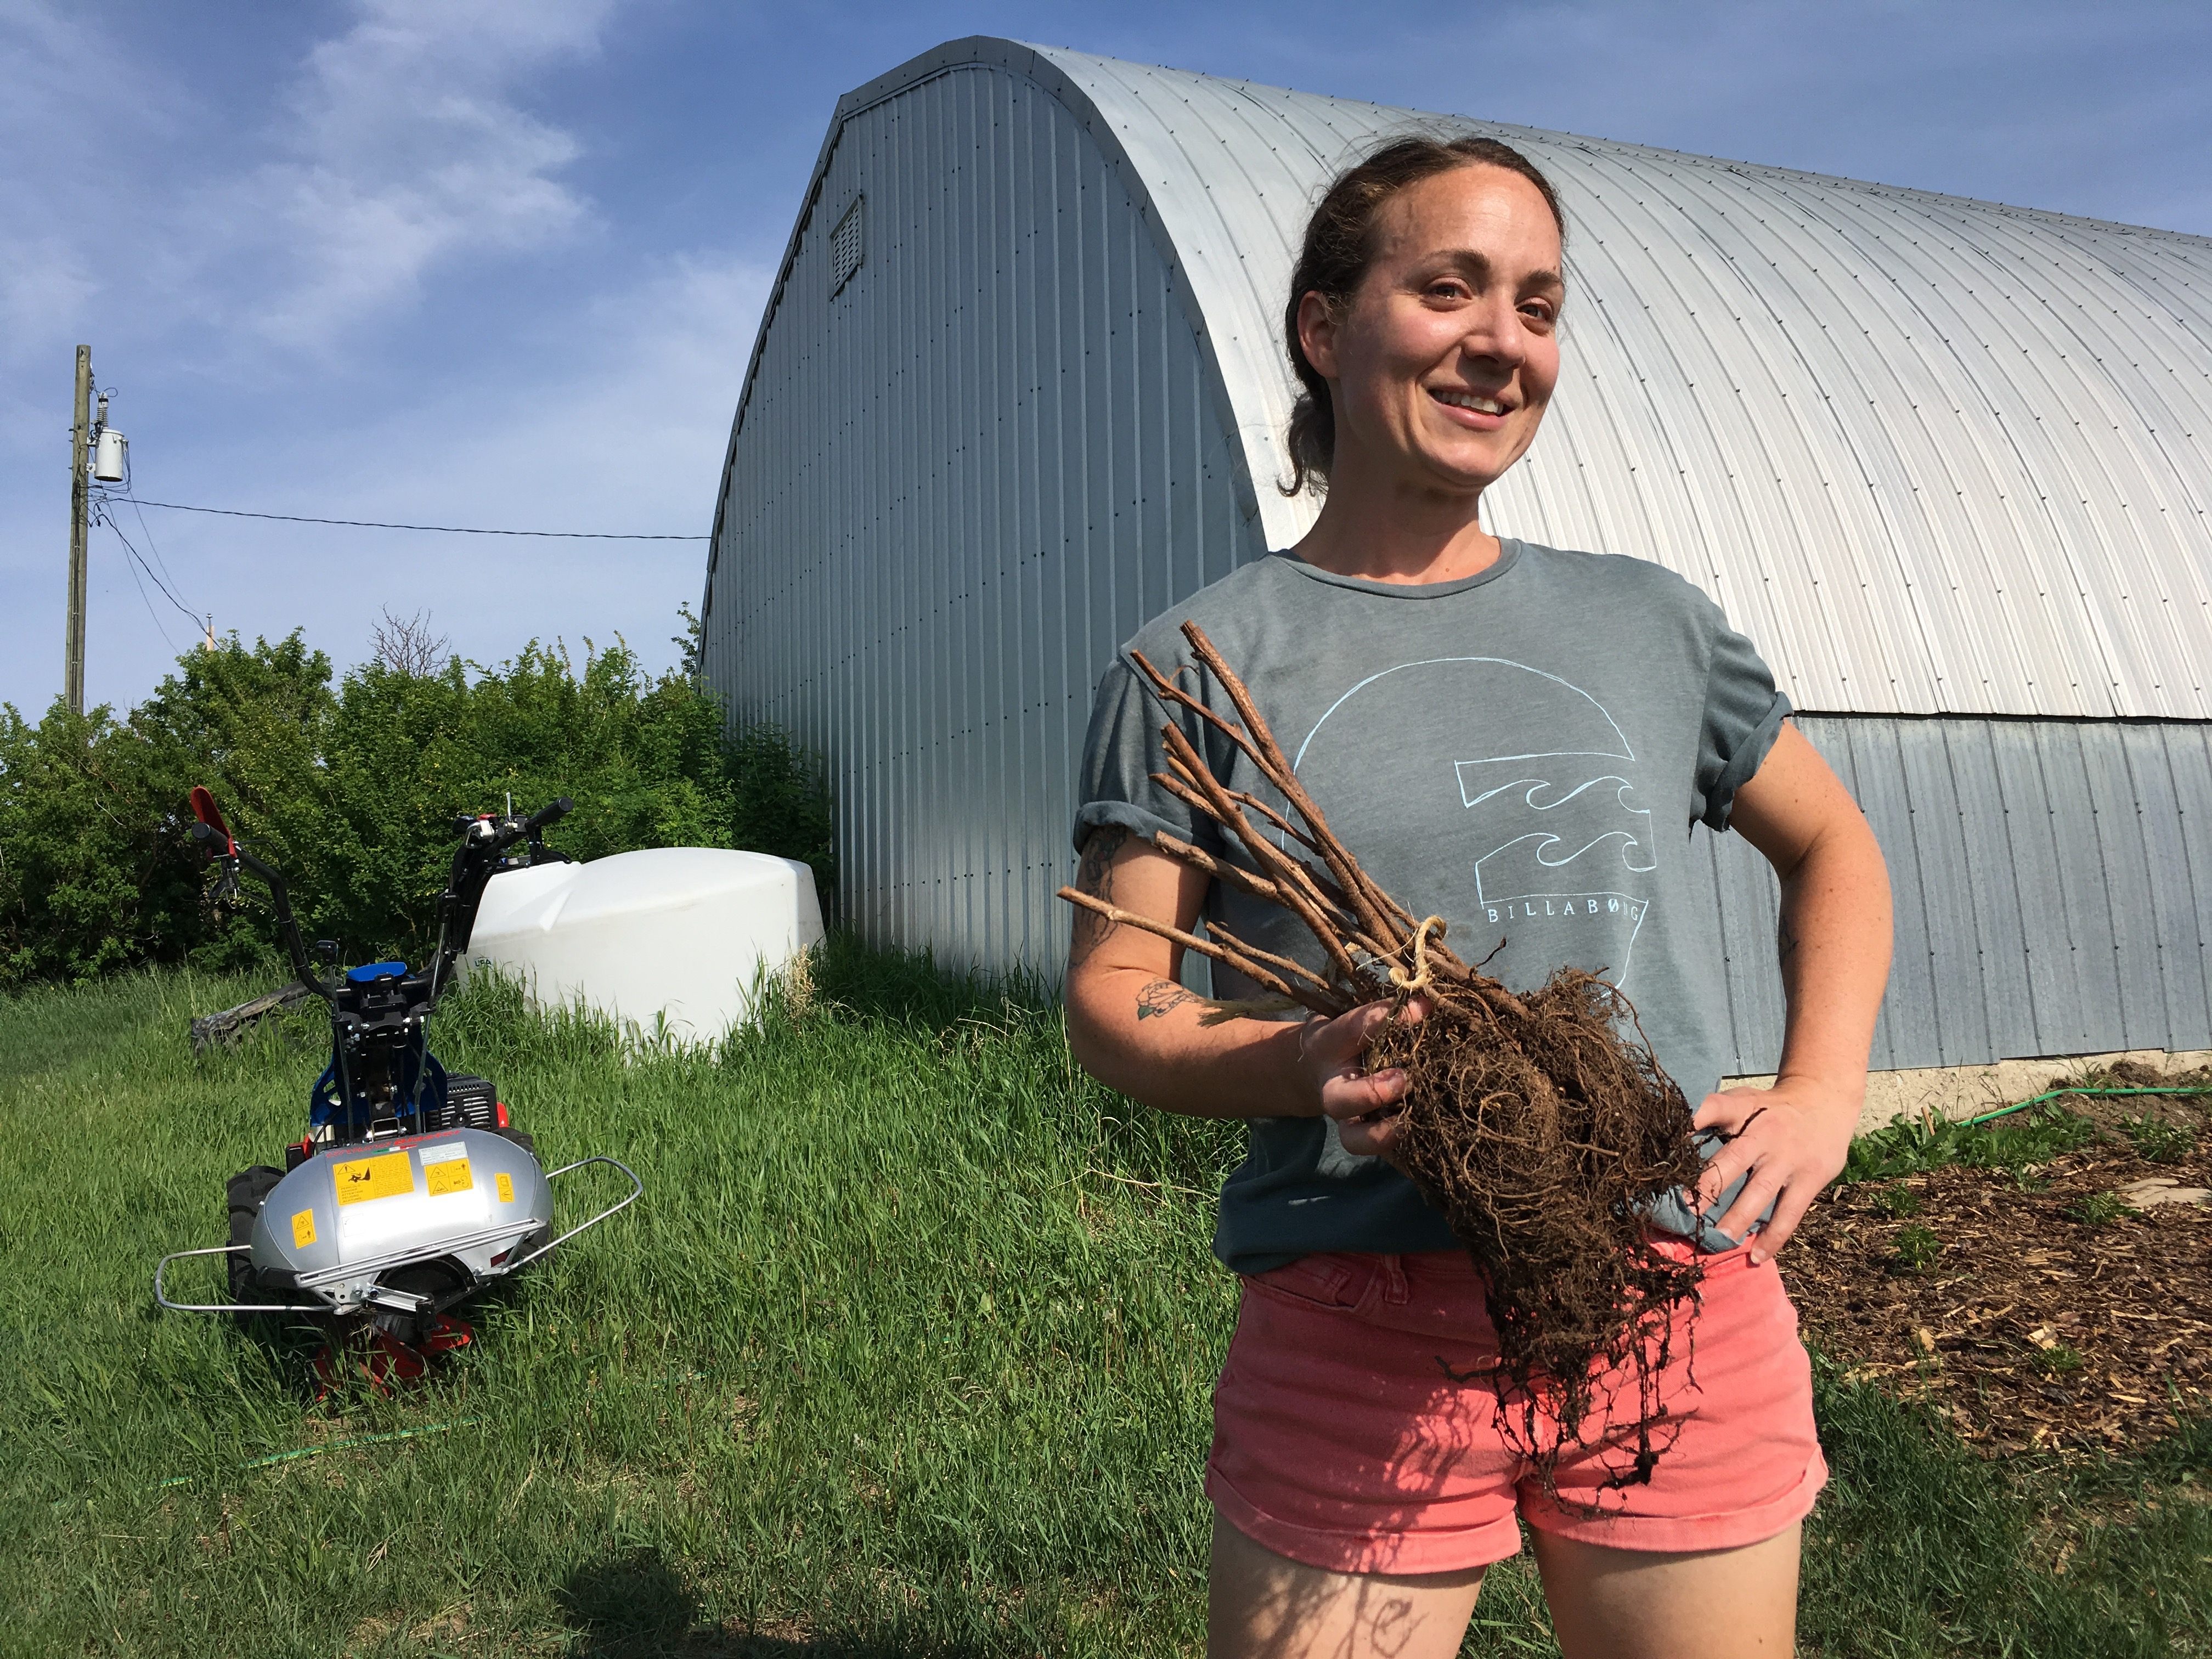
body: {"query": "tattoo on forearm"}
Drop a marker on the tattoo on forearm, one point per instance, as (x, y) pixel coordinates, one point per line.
(1162, 996)
(1094, 874)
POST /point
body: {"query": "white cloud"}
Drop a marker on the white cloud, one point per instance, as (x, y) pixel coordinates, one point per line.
(45, 280)
(399, 146)
(64, 114)
(621, 427)
(407, 148)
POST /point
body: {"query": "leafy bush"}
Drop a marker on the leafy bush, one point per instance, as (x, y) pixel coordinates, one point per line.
(351, 791)
(781, 801)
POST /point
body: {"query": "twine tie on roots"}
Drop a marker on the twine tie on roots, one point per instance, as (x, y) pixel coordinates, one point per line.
(1540, 1124)
(1420, 979)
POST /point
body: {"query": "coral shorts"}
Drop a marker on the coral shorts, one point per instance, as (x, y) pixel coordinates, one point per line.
(1339, 1440)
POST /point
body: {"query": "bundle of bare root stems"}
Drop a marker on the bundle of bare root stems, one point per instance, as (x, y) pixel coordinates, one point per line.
(1537, 1124)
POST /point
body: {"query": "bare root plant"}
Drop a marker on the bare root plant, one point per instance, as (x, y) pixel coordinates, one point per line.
(1540, 1126)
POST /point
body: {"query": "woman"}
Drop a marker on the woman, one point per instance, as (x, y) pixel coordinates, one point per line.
(1519, 739)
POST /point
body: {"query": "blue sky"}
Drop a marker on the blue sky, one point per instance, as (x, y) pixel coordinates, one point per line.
(501, 264)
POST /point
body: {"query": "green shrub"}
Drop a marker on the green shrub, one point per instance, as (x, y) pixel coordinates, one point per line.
(781, 801)
(352, 789)
(1899, 1200)
(2097, 1209)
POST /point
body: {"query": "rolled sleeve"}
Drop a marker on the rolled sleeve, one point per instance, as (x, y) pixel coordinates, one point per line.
(1121, 751)
(1743, 716)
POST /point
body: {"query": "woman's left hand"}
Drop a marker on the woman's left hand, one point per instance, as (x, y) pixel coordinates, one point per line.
(1791, 1139)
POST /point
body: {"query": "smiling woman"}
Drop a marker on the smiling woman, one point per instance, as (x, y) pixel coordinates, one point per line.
(1339, 248)
(1518, 741)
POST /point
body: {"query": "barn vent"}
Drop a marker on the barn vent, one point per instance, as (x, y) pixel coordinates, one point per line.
(845, 248)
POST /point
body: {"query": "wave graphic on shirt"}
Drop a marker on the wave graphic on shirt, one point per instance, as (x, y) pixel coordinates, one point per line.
(1542, 798)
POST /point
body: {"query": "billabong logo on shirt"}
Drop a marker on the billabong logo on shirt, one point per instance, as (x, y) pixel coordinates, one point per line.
(1548, 808)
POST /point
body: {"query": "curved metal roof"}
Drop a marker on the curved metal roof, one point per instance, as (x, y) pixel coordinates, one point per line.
(1935, 455)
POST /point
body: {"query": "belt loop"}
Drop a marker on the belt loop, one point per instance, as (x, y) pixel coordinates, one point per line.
(1394, 1288)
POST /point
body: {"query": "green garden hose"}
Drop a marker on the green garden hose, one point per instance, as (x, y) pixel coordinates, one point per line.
(2053, 1094)
(332, 1446)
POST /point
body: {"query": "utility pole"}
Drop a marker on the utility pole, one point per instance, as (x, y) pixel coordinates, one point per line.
(80, 514)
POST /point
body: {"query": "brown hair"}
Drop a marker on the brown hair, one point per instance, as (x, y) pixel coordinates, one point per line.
(1339, 245)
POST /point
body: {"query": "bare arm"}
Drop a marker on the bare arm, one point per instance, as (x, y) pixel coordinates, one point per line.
(1835, 944)
(1135, 1028)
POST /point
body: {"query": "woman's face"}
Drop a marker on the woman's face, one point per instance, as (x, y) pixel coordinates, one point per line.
(1440, 366)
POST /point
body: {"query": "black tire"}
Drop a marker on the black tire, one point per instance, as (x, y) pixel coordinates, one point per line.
(247, 1191)
(521, 1138)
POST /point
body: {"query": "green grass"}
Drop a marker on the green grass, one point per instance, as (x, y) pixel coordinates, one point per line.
(1917, 1247)
(906, 1351)
(2159, 1140)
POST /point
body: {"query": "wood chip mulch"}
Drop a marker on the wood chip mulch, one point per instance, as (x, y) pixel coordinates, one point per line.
(2031, 1308)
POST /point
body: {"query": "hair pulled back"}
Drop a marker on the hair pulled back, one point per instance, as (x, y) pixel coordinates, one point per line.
(1339, 246)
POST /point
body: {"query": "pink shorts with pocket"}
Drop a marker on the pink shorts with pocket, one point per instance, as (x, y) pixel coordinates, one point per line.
(1340, 1442)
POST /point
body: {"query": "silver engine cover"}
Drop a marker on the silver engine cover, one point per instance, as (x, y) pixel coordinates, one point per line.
(347, 1215)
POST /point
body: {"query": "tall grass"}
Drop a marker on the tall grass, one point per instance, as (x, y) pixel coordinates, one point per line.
(906, 1351)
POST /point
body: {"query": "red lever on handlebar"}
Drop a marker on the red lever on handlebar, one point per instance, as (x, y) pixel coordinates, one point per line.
(205, 810)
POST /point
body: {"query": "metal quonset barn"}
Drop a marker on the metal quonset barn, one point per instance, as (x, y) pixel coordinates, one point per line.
(1020, 387)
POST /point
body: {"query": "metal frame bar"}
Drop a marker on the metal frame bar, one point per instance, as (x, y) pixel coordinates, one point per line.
(637, 1191)
(376, 1264)
(224, 1307)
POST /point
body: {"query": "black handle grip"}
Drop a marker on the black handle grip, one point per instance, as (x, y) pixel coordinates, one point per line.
(202, 833)
(512, 832)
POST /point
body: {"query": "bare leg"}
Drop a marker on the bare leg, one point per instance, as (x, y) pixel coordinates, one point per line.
(1264, 1606)
(1636, 1604)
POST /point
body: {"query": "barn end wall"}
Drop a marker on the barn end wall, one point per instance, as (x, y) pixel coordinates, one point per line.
(957, 484)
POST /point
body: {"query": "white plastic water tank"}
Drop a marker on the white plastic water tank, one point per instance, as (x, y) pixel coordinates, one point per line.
(671, 941)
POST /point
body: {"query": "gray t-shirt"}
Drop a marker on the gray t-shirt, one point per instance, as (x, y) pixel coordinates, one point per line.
(1523, 752)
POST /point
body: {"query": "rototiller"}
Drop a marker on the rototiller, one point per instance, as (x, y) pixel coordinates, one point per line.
(411, 1189)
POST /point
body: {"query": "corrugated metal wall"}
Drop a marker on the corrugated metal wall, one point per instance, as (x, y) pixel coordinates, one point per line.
(955, 487)
(2053, 882)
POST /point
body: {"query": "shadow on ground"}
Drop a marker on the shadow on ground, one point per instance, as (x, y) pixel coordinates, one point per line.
(633, 1605)
(901, 988)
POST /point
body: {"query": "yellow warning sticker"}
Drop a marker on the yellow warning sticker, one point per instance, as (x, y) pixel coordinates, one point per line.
(303, 1230)
(385, 1176)
(450, 1176)
(505, 1185)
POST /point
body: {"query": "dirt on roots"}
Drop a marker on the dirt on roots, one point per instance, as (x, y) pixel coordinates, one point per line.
(1542, 1140)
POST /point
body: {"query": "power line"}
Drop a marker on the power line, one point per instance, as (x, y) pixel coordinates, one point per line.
(152, 545)
(152, 614)
(108, 519)
(441, 529)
